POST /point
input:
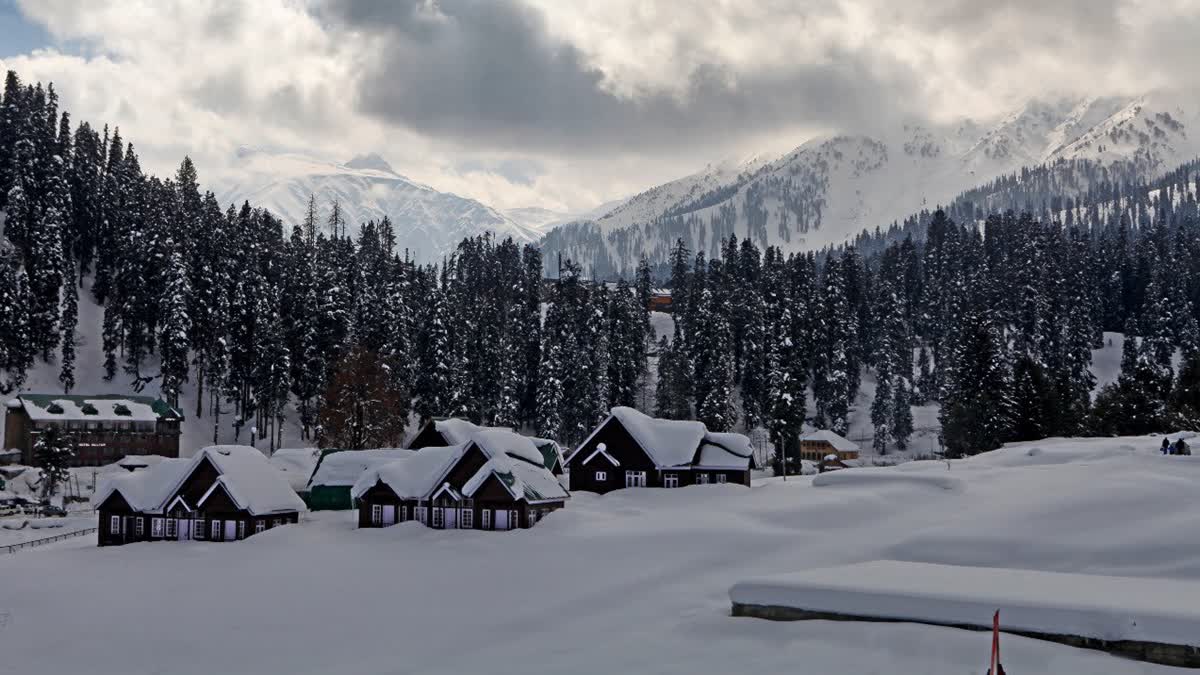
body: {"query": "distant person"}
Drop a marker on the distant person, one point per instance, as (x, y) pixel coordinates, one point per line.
(1166, 446)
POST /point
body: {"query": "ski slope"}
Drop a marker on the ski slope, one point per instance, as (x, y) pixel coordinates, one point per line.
(632, 582)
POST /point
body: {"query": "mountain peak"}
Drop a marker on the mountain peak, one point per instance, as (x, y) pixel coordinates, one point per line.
(371, 161)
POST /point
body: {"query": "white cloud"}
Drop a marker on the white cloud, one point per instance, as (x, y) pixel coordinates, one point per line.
(600, 97)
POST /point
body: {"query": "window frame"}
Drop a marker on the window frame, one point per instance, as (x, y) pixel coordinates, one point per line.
(439, 517)
(114, 524)
(601, 476)
(260, 526)
(638, 479)
(377, 514)
(172, 528)
(215, 530)
(466, 519)
(670, 480)
(514, 519)
(139, 526)
(485, 519)
(156, 527)
(241, 529)
(402, 517)
(702, 479)
(722, 478)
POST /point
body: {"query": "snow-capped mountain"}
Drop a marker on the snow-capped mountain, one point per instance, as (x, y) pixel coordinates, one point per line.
(427, 222)
(831, 188)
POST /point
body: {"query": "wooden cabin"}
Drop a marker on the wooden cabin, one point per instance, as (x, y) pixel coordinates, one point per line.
(102, 428)
(223, 493)
(497, 480)
(817, 445)
(632, 449)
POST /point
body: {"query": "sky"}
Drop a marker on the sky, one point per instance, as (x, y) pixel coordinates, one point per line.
(569, 103)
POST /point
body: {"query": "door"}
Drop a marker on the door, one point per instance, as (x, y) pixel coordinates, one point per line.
(231, 530)
(487, 518)
(389, 515)
(501, 519)
(184, 529)
(451, 518)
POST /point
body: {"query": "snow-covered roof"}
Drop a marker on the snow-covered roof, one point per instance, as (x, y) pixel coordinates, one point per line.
(107, 408)
(551, 451)
(457, 431)
(838, 442)
(139, 461)
(667, 442)
(412, 476)
(343, 468)
(522, 480)
(251, 481)
(245, 473)
(297, 464)
(725, 451)
(514, 459)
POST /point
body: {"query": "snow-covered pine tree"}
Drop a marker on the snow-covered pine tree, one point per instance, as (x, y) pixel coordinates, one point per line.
(52, 454)
(713, 347)
(173, 331)
(16, 345)
(69, 322)
(902, 418)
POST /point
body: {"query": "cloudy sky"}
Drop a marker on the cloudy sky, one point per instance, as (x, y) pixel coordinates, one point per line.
(567, 103)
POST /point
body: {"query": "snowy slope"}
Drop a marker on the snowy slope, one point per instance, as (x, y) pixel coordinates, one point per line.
(635, 581)
(89, 377)
(831, 188)
(427, 222)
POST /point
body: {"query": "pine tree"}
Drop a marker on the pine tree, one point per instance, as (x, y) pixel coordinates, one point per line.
(52, 454)
(173, 332)
(902, 418)
(16, 344)
(882, 414)
(70, 319)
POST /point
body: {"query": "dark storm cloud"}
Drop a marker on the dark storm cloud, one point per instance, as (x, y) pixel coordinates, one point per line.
(487, 71)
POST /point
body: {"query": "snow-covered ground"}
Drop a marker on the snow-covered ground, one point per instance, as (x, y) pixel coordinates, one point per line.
(633, 582)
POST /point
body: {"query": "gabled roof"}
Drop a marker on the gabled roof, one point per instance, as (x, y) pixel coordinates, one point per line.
(412, 476)
(838, 442)
(343, 467)
(675, 443)
(551, 452)
(244, 472)
(514, 459)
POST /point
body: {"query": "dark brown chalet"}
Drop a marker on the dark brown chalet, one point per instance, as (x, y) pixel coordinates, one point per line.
(454, 431)
(632, 449)
(223, 493)
(496, 480)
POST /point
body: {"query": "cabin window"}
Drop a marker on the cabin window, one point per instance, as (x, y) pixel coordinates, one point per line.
(601, 476)
(635, 479)
(487, 519)
(156, 527)
(139, 526)
(376, 514)
(467, 519)
(671, 480)
(259, 526)
(171, 524)
(439, 516)
(721, 478)
(701, 479)
(114, 524)
(533, 517)
(276, 523)
(512, 519)
(422, 514)
(215, 530)
(241, 529)
(198, 529)
(404, 513)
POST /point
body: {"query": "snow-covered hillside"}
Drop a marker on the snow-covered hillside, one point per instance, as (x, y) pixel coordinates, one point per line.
(427, 222)
(635, 581)
(831, 188)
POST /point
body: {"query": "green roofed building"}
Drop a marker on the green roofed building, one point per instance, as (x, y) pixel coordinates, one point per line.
(103, 427)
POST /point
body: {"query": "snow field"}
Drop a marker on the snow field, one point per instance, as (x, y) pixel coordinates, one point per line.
(635, 581)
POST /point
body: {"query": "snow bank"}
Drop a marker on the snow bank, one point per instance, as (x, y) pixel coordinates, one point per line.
(880, 477)
(1099, 607)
